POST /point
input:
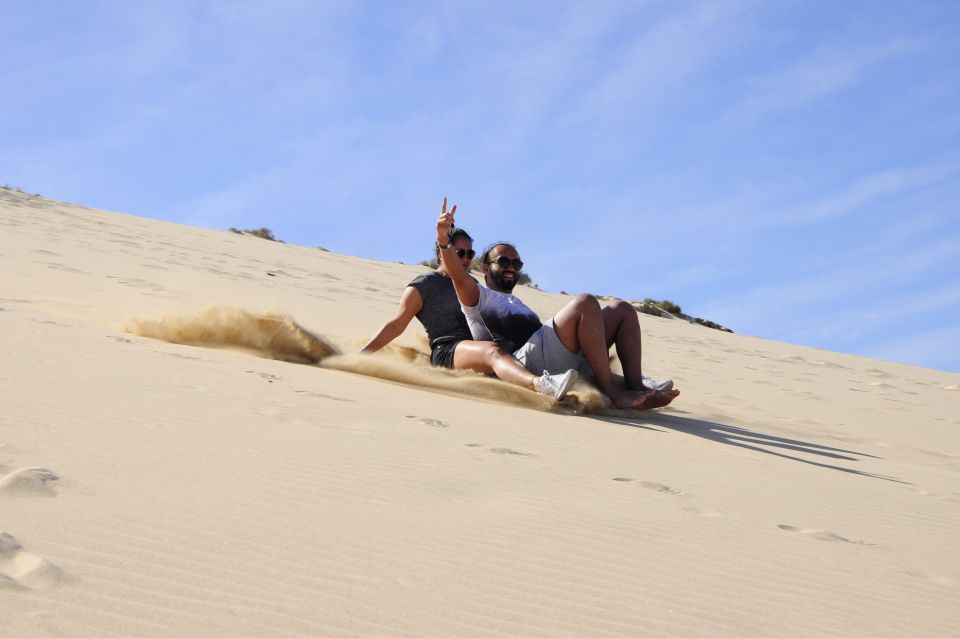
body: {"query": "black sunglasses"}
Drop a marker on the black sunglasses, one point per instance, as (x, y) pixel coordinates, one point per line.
(469, 253)
(503, 262)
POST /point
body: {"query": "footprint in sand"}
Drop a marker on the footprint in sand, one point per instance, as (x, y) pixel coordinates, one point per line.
(321, 395)
(270, 378)
(703, 511)
(506, 450)
(22, 570)
(650, 485)
(829, 364)
(939, 579)
(27, 481)
(660, 488)
(823, 535)
(55, 266)
(177, 355)
(501, 450)
(953, 498)
(434, 423)
(48, 322)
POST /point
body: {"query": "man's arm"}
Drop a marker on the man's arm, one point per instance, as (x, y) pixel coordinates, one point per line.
(410, 304)
(468, 291)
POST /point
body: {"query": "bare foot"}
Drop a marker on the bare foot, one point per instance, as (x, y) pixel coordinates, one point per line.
(658, 399)
(627, 399)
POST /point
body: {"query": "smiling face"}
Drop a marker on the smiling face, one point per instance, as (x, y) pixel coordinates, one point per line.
(499, 277)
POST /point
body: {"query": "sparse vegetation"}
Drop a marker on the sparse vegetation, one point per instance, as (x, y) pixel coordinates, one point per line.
(263, 233)
(14, 189)
(665, 304)
(670, 310)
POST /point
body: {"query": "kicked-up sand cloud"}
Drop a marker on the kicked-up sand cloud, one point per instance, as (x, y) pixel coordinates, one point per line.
(279, 337)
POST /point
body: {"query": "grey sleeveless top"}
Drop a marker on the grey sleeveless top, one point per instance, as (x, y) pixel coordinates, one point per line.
(441, 315)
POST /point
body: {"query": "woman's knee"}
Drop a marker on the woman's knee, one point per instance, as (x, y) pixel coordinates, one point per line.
(492, 352)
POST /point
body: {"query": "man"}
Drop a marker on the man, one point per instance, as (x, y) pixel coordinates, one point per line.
(580, 329)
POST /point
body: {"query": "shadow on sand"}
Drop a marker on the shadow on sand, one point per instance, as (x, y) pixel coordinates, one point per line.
(747, 439)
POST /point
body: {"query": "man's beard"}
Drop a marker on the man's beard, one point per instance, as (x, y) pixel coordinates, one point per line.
(497, 278)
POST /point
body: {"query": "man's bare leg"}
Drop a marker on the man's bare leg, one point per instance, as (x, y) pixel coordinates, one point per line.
(622, 327)
(580, 327)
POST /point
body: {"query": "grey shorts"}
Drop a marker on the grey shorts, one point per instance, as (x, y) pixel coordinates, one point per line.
(545, 352)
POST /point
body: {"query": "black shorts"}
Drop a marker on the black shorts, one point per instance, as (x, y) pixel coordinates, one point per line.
(441, 355)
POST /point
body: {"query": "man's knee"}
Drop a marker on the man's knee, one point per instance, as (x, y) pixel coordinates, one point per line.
(621, 308)
(618, 316)
(585, 302)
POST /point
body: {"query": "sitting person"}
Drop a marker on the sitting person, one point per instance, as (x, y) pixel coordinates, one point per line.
(431, 299)
(580, 329)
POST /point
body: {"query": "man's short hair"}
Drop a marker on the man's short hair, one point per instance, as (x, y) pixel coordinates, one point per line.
(485, 258)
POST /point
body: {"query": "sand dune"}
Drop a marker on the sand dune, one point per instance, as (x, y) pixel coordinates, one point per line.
(153, 488)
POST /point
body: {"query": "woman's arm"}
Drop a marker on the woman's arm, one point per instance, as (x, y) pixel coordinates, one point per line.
(410, 304)
(468, 290)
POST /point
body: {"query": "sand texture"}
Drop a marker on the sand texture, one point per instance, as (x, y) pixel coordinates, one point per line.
(271, 483)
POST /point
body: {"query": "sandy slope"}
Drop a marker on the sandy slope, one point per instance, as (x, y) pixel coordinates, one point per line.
(155, 489)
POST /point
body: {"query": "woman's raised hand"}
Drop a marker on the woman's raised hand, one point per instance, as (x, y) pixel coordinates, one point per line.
(445, 222)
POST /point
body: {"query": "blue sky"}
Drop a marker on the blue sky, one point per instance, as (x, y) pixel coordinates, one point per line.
(789, 169)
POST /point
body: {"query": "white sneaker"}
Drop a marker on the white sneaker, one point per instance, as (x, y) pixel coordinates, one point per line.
(557, 385)
(662, 386)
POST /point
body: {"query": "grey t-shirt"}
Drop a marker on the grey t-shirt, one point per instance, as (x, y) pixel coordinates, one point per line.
(503, 318)
(440, 315)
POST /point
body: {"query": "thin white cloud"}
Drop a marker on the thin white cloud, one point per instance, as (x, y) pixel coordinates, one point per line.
(820, 73)
(658, 62)
(830, 303)
(861, 192)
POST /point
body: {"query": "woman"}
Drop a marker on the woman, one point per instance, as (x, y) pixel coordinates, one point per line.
(432, 299)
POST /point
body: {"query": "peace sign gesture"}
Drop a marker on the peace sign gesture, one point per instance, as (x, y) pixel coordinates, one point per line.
(445, 222)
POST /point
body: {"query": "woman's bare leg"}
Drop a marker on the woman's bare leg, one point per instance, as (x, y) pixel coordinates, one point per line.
(488, 358)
